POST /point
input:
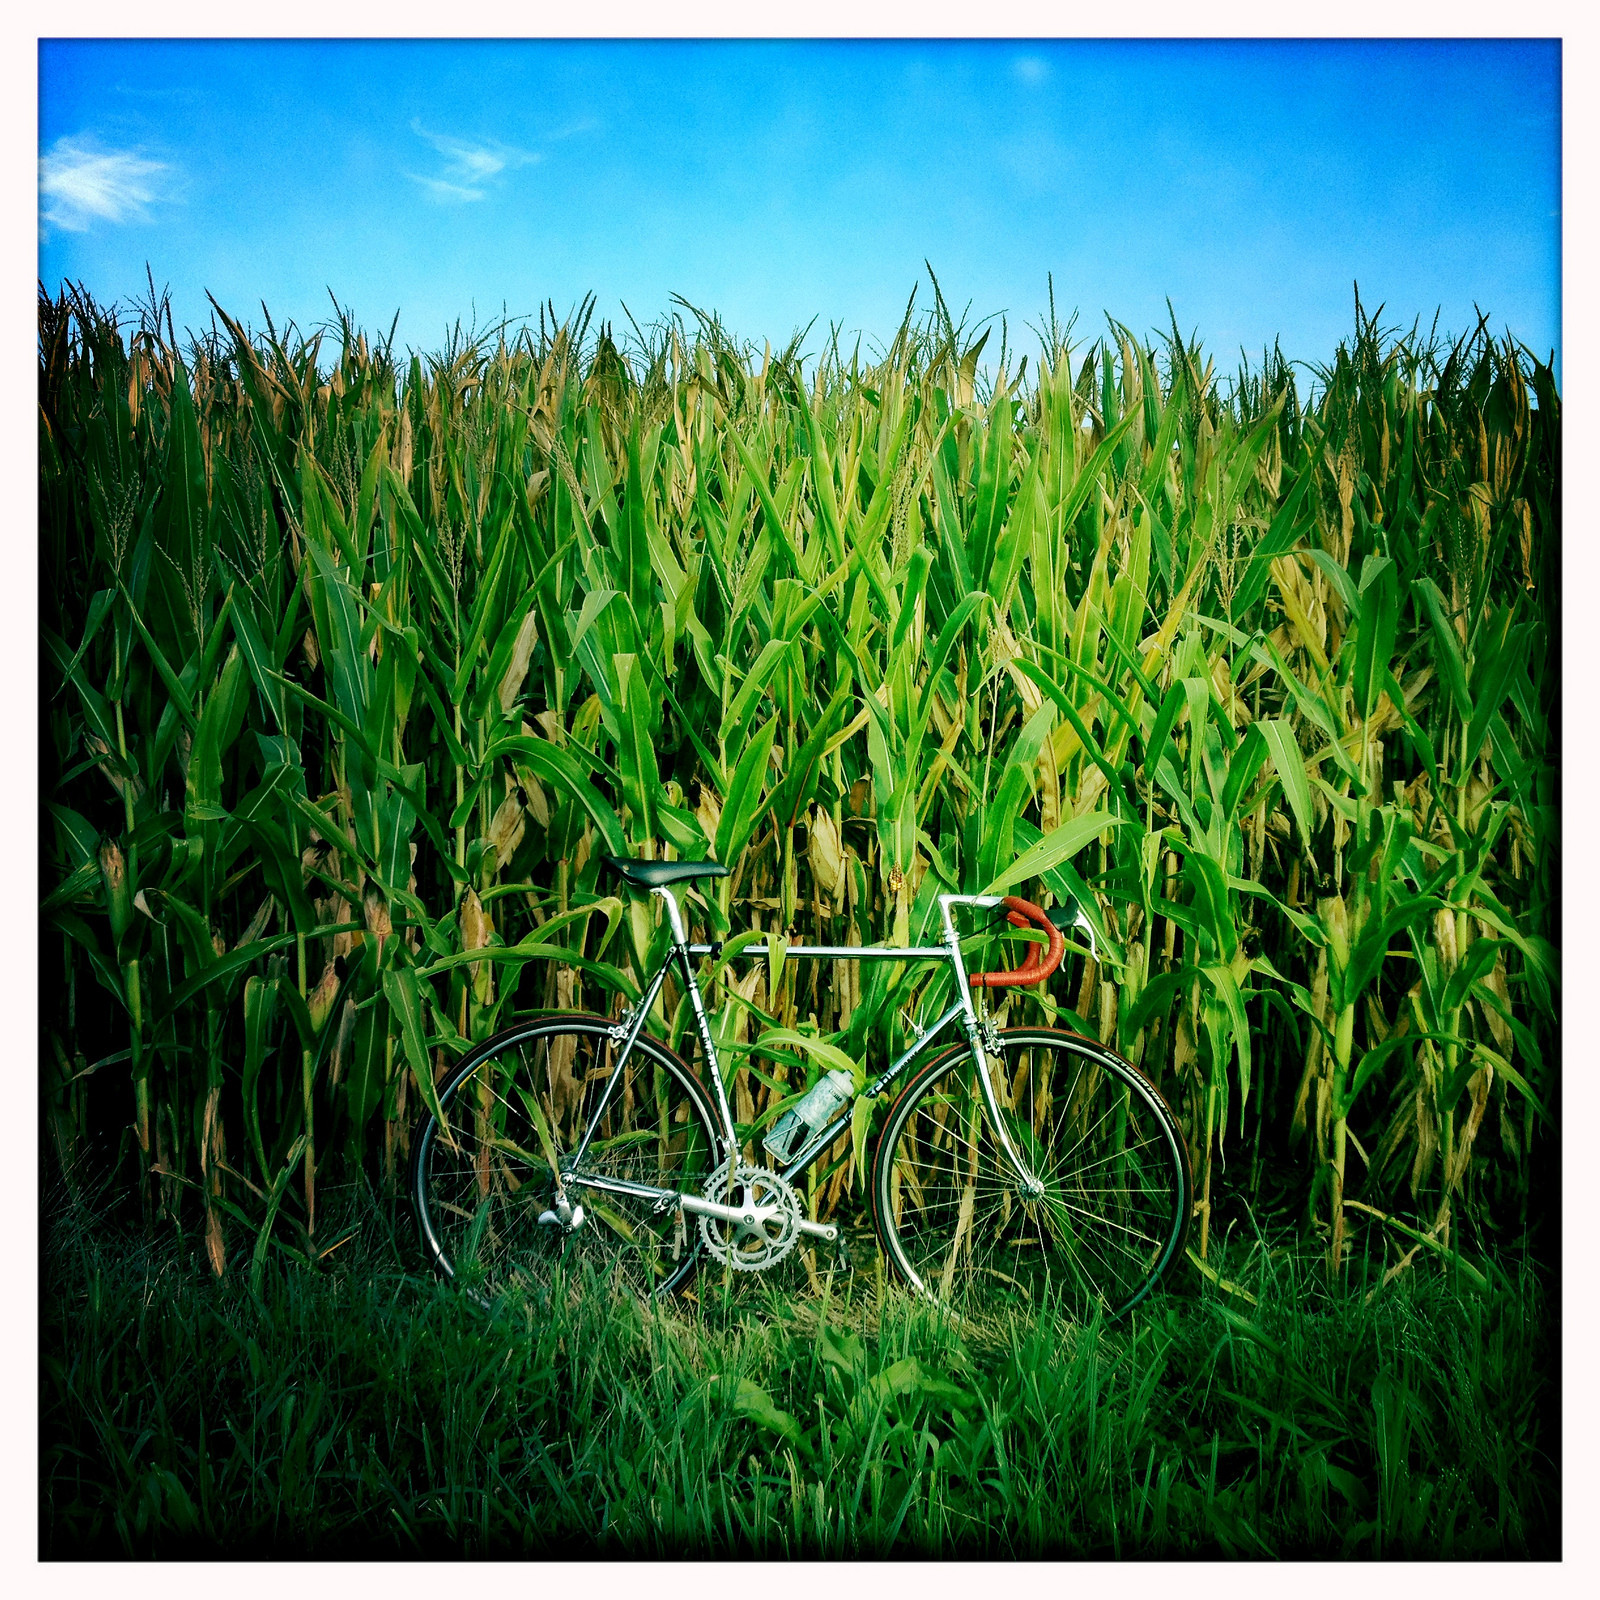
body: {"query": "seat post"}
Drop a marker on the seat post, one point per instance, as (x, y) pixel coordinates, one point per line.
(674, 915)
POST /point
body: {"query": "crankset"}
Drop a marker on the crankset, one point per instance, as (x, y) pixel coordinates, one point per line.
(767, 1224)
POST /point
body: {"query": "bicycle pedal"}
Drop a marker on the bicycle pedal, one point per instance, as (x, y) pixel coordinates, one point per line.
(566, 1216)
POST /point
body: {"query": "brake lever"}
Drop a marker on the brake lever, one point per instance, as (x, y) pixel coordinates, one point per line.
(1066, 918)
(1076, 919)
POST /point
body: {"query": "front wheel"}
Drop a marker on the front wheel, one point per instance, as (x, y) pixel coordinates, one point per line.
(950, 1208)
(481, 1182)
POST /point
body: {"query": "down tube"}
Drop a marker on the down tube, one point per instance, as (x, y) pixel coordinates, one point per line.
(821, 1141)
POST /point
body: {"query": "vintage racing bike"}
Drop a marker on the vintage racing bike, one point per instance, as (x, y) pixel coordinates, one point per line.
(1030, 1160)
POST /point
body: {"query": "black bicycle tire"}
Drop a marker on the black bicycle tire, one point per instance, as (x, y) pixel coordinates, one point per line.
(1175, 1161)
(555, 1025)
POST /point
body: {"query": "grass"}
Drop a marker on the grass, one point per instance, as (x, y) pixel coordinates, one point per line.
(360, 1409)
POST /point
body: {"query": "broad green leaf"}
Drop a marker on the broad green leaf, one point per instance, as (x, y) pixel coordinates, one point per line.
(1284, 750)
(1378, 620)
(743, 801)
(1446, 646)
(402, 988)
(1059, 845)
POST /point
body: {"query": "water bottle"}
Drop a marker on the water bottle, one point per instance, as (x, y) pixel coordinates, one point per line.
(788, 1135)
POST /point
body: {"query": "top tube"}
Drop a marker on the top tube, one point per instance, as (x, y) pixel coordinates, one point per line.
(840, 952)
(871, 952)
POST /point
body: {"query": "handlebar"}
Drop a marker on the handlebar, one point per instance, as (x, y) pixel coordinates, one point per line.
(1023, 914)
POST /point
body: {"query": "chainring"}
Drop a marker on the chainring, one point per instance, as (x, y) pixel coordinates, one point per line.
(774, 1212)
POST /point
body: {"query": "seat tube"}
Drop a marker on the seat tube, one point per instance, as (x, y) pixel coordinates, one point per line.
(680, 944)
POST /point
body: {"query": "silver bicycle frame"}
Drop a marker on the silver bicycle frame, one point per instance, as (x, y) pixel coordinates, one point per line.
(628, 1031)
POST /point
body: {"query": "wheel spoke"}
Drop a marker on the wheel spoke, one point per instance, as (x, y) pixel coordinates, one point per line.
(482, 1183)
(951, 1207)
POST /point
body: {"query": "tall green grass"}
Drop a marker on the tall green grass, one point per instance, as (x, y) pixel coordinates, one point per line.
(356, 665)
(355, 1411)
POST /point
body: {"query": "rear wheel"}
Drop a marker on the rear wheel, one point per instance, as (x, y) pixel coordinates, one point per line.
(481, 1182)
(949, 1206)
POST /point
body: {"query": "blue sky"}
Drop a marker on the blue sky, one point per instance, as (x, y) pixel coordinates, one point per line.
(1250, 182)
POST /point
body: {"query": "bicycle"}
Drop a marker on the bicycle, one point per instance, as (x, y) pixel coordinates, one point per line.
(1029, 1160)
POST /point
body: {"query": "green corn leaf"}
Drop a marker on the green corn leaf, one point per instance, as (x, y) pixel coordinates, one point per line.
(1372, 949)
(640, 579)
(182, 543)
(1209, 881)
(84, 938)
(1088, 477)
(534, 948)
(1284, 750)
(384, 769)
(911, 591)
(263, 668)
(80, 884)
(636, 755)
(1285, 532)
(1500, 653)
(179, 695)
(280, 865)
(299, 1014)
(1057, 846)
(220, 724)
(319, 508)
(751, 692)
(1378, 614)
(366, 497)
(993, 489)
(1516, 1080)
(99, 608)
(402, 989)
(743, 802)
(557, 766)
(1475, 962)
(860, 1122)
(280, 1186)
(260, 1008)
(1446, 647)
(792, 794)
(485, 608)
(336, 608)
(1091, 746)
(1246, 763)
(786, 1040)
(1226, 985)
(949, 525)
(1343, 584)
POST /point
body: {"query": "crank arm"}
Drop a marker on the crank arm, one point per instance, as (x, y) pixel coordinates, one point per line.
(664, 1198)
(712, 1208)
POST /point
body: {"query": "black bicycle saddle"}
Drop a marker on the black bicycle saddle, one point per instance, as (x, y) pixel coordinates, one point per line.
(656, 874)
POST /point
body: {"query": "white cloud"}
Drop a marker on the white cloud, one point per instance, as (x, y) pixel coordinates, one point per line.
(81, 184)
(573, 129)
(1031, 69)
(469, 165)
(444, 192)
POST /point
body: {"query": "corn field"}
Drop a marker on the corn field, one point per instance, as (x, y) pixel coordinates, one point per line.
(355, 665)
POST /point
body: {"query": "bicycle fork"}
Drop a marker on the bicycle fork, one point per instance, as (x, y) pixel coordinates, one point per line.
(1027, 1181)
